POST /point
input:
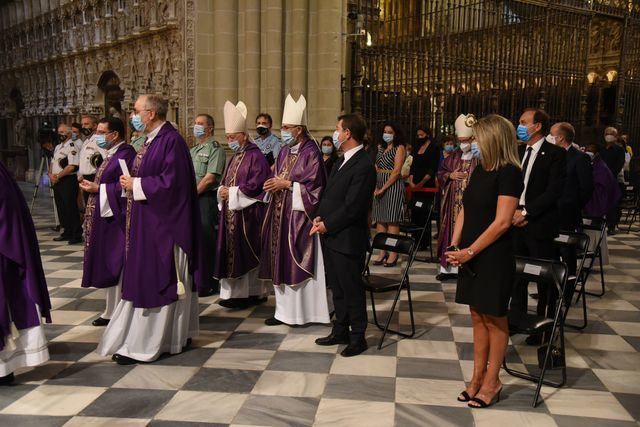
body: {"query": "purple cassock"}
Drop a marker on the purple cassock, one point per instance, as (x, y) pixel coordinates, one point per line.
(169, 216)
(288, 252)
(104, 237)
(451, 201)
(606, 191)
(23, 288)
(239, 240)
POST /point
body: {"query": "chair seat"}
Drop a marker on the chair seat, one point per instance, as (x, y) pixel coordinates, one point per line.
(527, 323)
(374, 283)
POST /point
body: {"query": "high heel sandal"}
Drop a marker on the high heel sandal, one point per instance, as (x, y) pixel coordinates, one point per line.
(381, 261)
(465, 396)
(392, 264)
(482, 404)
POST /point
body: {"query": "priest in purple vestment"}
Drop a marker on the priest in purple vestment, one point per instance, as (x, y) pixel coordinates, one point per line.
(158, 312)
(291, 259)
(24, 297)
(453, 178)
(241, 201)
(104, 228)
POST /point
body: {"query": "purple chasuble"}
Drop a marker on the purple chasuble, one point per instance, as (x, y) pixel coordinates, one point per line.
(22, 282)
(239, 240)
(288, 252)
(451, 201)
(104, 237)
(606, 191)
(169, 216)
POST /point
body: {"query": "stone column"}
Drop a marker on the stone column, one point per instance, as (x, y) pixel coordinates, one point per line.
(249, 31)
(271, 59)
(296, 48)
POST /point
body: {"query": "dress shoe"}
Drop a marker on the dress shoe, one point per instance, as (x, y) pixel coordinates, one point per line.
(7, 380)
(123, 360)
(235, 303)
(272, 321)
(100, 322)
(56, 228)
(446, 276)
(355, 348)
(333, 340)
(60, 238)
(75, 240)
(256, 300)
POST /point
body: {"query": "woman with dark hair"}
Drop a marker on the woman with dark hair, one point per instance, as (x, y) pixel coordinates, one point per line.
(329, 155)
(388, 202)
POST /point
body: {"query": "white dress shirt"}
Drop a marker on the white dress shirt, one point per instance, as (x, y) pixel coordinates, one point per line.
(350, 153)
(532, 158)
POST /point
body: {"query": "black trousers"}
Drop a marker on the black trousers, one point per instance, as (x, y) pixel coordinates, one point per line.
(344, 278)
(66, 194)
(85, 195)
(527, 244)
(209, 218)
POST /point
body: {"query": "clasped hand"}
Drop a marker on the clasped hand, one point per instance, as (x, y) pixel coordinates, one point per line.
(317, 227)
(89, 186)
(126, 182)
(276, 184)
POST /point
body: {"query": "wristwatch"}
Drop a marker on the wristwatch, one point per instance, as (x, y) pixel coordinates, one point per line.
(471, 252)
(524, 212)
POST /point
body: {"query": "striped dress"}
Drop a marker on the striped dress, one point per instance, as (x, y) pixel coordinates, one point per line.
(389, 208)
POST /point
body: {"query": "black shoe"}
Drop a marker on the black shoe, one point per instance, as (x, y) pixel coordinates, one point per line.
(188, 344)
(533, 339)
(272, 321)
(391, 264)
(333, 340)
(380, 261)
(75, 240)
(123, 360)
(100, 322)
(481, 404)
(256, 300)
(355, 349)
(60, 238)
(56, 228)
(7, 380)
(446, 276)
(235, 303)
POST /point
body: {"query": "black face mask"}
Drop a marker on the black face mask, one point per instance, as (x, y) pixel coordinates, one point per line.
(62, 138)
(85, 131)
(262, 131)
(422, 140)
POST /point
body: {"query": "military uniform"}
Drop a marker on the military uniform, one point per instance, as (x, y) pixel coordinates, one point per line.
(66, 190)
(209, 157)
(270, 147)
(136, 142)
(91, 157)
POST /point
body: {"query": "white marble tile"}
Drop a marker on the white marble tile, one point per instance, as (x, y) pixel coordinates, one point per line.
(599, 342)
(628, 329)
(72, 317)
(584, 403)
(500, 418)
(292, 384)
(89, 334)
(157, 377)
(428, 392)
(305, 342)
(238, 358)
(350, 413)
(204, 407)
(428, 349)
(379, 366)
(620, 381)
(105, 422)
(54, 400)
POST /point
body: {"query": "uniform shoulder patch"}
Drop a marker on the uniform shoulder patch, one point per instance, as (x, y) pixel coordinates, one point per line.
(71, 144)
(73, 153)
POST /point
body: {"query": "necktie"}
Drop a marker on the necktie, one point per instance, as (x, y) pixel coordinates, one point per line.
(526, 161)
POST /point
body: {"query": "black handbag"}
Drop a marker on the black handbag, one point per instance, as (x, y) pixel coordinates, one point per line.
(556, 358)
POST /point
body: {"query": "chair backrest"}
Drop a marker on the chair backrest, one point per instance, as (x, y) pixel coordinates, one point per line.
(579, 241)
(420, 205)
(596, 224)
(543, 271)
(394, 243)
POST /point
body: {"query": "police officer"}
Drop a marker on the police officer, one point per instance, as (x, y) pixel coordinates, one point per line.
(62, 176)
(268, 143)
(208, 161)
(91, 155)
(137, 138)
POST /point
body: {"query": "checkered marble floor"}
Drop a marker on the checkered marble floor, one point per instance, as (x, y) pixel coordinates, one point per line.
(241, 372)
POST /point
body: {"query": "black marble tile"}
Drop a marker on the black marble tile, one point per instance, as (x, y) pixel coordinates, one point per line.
(13, 392)
(413, 367)
(189, 357)
(51, 331)
(301, 362)
(254, 340)
(277, 411)
(92, 375)
(434, 333)
(630, 402)
(32, 421)
(408, 415)
(223, 380)
(85, 305)
(568, 421)
(128, 403)
(220, 324)
(70, 351)
(366, 388)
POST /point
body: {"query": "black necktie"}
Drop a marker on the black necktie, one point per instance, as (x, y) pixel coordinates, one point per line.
(526, 161)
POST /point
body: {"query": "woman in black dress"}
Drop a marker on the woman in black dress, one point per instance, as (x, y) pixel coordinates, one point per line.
(329, 155)
(487, 257)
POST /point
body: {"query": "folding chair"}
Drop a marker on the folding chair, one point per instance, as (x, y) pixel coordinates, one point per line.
(412, 227)
(403, 245)
(580, 243)
(549, 273)
(598, 225)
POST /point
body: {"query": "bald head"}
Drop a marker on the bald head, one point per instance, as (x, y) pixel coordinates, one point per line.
(564, 134)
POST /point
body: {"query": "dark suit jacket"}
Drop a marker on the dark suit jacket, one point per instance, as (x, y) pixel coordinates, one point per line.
(345, 204)
(545, 187)
(578, 188)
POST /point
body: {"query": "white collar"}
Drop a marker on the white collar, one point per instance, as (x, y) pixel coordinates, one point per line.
(295, 148)
(113, 149)
(151, 135)
(536, 147)
(350, 152)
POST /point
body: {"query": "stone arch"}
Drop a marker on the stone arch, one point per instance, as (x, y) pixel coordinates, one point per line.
(110, 95)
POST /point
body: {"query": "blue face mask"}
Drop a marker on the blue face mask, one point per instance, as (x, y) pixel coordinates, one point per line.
(387, 137)
(475, 150)
(523, 133)
(74, 136)
(101, 141)
(336, 142)
(198, 131)
(449, 148)
(287, 137)
(234, 145)
(136, 122)
(327, 150)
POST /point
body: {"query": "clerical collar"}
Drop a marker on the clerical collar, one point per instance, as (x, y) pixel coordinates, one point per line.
(113, 149)
(151, 135)
(295, 148)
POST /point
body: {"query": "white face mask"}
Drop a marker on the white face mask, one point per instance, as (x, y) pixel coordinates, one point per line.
(465, 146)
(609, 138)
(551, 139)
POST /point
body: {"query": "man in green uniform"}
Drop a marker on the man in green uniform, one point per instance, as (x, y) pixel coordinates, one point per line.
(208, 161)
(137, 138)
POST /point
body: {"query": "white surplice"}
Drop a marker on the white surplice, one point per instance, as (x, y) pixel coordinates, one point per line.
(28, 349)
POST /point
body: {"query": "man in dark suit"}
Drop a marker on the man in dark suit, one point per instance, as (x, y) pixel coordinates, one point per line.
(343, 225)
(536, 219)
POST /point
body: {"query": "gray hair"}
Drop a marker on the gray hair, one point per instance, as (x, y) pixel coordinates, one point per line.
(158, 104)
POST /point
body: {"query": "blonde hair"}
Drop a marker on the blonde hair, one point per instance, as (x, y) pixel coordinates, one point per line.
(496, 138)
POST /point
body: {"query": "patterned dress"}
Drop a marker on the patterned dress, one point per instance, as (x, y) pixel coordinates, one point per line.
(388, 208)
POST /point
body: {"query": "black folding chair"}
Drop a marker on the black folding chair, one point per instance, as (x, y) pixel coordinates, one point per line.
(549, 273)
(599, 225)
(580, 243)
(630, 206)
(412, 228)
(403, 245)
